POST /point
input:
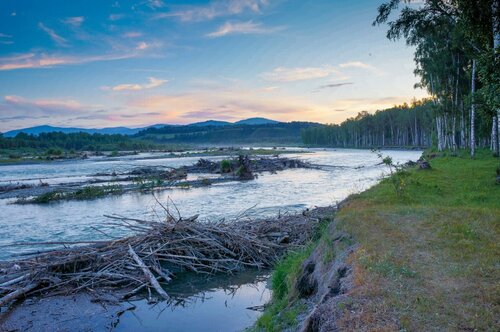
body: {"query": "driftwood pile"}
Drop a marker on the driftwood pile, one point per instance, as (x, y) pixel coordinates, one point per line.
(140, 263)
(260, 164)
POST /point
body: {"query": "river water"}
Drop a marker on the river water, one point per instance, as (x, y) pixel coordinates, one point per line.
(342, 172)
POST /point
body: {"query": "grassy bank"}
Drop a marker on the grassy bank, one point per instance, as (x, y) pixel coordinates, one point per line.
(428, 259)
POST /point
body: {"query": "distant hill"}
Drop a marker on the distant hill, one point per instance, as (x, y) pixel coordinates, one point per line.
(157, 136)
(130, 131)
(272, 132)
(257, 121)
(210, 123)
(68, 130)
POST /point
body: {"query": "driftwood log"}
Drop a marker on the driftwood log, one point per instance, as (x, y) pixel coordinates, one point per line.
(144, 260)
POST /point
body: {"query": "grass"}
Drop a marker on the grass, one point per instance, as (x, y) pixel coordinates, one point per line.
(86, 193)
(284, 309)
(428, 260)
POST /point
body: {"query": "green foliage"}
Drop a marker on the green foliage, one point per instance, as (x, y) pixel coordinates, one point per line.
(277, 133)
(56, 143)
(282, 314)
(48, 197)
(404, 125)
(448, 36)
(284, 309)
(399, 175)
(91, 192)
(86, 193)
(54, 152)
(225, 166)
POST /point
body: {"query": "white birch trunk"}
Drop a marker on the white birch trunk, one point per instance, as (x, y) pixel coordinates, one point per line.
(463, 142)
(473, 112)
(496, 44)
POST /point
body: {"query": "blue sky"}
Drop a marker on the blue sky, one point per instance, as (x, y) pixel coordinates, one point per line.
(101, 63)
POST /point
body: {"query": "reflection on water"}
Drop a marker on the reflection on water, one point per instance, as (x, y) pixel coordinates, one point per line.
(343, 172)
(204, 305)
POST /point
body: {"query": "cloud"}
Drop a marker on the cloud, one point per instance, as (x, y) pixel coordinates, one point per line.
(155, 4)
(116, 17)
(16, 108)
(132, 34)
(32, 60)
(227, 103)
(53, 35)
(216, 9)
(284, 74)
(153, 83)
(331, 86)
(74, 21)
(43, 103)
(249, 27)
(360, 65)
(142, 46)
(139, 115)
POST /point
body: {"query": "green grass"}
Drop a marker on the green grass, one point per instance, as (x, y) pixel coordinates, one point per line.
(283, 311)
(284, 308)
(86, 193)
(428, 260)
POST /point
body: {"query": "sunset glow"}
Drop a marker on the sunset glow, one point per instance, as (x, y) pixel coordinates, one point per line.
(135, 63)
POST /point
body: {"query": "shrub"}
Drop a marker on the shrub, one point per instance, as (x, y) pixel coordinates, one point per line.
(225, 166)
(399, 175)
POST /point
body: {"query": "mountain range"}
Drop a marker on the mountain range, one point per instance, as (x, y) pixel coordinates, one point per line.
(131, 131)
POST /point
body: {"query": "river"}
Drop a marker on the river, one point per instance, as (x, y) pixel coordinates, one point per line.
(342, 172)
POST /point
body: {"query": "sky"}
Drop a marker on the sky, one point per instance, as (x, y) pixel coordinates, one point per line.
(95, 63)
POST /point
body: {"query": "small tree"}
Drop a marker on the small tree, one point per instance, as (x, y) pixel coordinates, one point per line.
(399, 175)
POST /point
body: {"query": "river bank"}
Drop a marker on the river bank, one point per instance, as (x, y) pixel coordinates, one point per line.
(423, 260)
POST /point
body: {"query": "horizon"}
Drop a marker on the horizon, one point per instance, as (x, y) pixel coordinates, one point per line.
(141, 63)
(148, 125)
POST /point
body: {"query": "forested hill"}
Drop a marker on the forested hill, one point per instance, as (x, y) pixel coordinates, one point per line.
(274, 133)
(161, 137)
(399, 126)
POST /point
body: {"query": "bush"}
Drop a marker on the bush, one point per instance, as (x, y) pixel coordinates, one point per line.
(225, 166)
(399, 175)
(54, 152)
